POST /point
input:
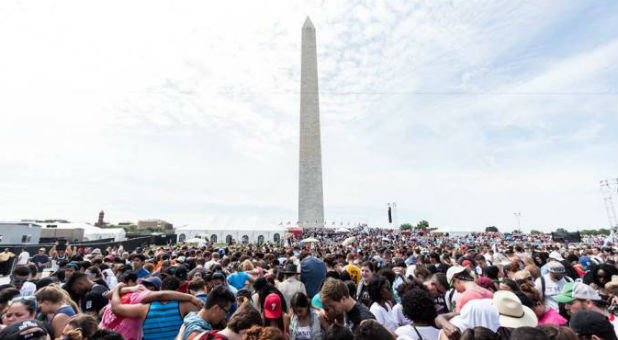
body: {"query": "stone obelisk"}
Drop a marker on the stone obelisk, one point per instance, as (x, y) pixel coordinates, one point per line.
(310, 196)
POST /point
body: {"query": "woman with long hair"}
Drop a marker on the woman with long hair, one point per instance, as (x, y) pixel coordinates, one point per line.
(304, 320)
(57, 304)
(383, 301)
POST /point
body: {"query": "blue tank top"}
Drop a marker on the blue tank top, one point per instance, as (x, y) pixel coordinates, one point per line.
(162, 322)
(66, 309)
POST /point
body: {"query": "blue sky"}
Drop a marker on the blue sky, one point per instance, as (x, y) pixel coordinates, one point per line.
(463, 112)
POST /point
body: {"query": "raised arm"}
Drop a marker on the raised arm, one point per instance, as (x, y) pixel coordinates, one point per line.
(124, 290)
(69, 250)
(170, 295)
(52, 250)
(129, 311)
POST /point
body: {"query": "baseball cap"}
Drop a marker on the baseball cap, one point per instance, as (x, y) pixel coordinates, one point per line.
(73, 265)
(582, 291)
(272, 306)
(556, 256)
(566, 294)
(155, 281)
(556, 267)
(585, 262)
(24, 330)
(452, 272)
(587, 322)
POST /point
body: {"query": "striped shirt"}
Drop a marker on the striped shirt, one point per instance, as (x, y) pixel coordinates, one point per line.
(162, 321)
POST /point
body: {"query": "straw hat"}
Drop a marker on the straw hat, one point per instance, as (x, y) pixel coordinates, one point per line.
(512, 313)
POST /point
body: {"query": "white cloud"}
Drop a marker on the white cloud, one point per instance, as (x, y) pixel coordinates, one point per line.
(183, 110)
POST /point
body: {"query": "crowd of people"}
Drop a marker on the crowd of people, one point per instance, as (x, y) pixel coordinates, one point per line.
(361, 284)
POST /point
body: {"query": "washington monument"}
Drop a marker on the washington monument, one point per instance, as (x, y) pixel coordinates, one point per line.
(310, 196)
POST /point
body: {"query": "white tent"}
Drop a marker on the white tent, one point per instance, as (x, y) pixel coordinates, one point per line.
(241, 230)
(197, 241)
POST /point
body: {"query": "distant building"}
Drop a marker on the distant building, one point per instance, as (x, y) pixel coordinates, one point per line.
(154, 224)
(82, 232)
(101, 220)
(19, 233)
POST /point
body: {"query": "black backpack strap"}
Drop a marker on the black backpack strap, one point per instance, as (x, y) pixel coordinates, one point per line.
(542, 288)
(420, 337)
(450, 300)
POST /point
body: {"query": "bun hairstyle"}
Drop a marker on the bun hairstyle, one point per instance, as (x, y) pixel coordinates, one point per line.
(84, 327)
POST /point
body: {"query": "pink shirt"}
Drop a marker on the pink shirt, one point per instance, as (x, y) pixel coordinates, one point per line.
(473, 294)
(552, 317)
(129, 328)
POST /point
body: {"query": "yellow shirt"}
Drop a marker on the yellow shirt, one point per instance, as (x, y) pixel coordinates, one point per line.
(5, 256)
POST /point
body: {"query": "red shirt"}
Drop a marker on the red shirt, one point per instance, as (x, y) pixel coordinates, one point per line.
(184, 288)
(213, 335)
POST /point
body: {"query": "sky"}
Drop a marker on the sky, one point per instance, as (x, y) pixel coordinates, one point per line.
(463, 112)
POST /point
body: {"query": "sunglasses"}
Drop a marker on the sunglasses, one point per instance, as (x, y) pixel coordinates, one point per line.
(19, 280)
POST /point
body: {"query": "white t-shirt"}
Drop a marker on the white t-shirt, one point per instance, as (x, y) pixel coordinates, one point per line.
(408, 333)
(552, 288)
(384, 316)
(27, 289)
(23, 258)
(400, 319)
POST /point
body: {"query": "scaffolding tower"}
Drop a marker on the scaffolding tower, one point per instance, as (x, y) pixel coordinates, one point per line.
(609, 189)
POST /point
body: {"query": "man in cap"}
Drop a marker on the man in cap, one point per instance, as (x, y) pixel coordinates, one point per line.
(291, 285)
(592, 325)
(551, 284)
(583, 297)
(554, 256)
(25, 330)
(40, 259)
(460, 279)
